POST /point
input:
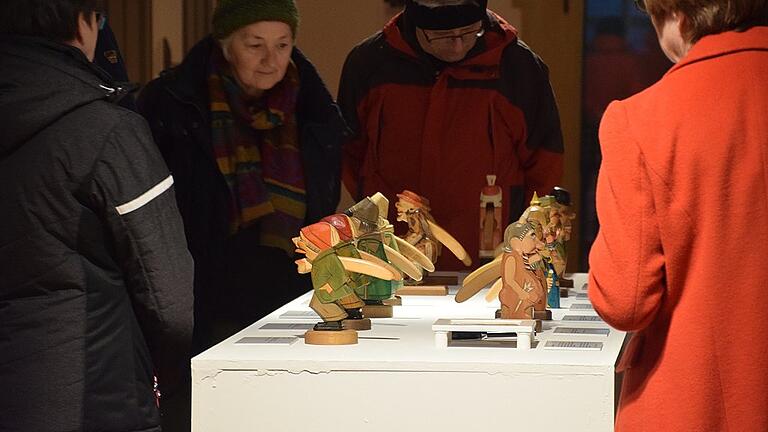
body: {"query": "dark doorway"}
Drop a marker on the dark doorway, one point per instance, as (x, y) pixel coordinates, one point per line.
(621, 57)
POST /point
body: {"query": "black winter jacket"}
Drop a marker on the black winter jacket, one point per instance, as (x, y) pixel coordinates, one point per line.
(234, 276)
(95, 276)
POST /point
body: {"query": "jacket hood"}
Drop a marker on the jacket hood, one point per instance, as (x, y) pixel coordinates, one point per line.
(41, 81)
(498, 36)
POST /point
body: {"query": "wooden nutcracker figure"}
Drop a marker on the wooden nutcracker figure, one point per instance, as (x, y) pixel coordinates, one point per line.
(332, 263)
(563, 207)
(538, 217)
(555, 244)
(515, 278)
(367, 225)
(423, 231)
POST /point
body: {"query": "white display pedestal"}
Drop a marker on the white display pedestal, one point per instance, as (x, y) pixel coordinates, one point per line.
(265, 378)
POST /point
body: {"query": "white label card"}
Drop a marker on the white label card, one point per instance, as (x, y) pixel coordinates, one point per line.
(581, 330)
(582, 306)
(287, 326)
(582, 318)
(573, 345)
(254, 340)
(300, 314)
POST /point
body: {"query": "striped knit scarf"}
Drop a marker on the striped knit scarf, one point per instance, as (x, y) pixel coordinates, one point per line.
(257, 150)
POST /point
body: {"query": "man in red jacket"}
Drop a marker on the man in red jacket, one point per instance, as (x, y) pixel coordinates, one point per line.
(444, 95)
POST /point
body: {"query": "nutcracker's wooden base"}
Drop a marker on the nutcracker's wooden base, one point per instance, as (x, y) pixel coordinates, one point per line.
(330, 337)
(563, 292)
(394, 301)
(377, 311)
(542, 315)
(424, 290)
(356, 324)
(565, 283)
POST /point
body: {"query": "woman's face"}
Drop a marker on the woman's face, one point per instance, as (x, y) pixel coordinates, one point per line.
(669, 32)
(259, 54)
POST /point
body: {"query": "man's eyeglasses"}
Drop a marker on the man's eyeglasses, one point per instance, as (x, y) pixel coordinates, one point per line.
(640, 4)
(465, 38)
(101, 20)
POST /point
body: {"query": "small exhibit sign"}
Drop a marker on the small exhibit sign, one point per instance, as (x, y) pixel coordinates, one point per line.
(587, 318)
(287, 326)
(270, 340)
(582, 306)
(582, 331)
(573, 345)
(299, 314)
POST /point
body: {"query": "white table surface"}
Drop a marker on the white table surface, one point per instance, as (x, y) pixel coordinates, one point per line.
(395, 377)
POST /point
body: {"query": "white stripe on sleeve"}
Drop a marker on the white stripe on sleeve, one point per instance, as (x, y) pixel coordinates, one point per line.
(146, 197)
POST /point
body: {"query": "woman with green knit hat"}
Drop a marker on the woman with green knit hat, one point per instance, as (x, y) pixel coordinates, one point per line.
(253, 140)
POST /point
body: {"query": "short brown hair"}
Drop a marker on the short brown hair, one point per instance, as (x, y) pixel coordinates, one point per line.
(706, 17)
(52, 19)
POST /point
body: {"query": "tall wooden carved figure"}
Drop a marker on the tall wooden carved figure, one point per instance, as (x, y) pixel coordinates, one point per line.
(563, 206)
(513, 275)
(333, 298)
(386, 229)
(490, 218)
(370, 240)
(538, 217)
(414, 210)
(423, 231)
(415, 261)
(521, 287)
(552, 233)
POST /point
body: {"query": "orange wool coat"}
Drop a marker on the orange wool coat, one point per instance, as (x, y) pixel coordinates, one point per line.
(680, 259)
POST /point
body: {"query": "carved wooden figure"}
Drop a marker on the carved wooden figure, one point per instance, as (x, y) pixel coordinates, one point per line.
(515, 279)
(423, 231)
(554, 234)
(490, 218)
(522, 290)
(366, 287)
(331, 263)
(552, 242)
(414, 210)
(538, 217)
(369, 230)
(563, 206)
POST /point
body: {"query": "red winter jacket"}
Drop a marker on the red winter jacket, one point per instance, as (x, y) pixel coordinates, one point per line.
(438, 129)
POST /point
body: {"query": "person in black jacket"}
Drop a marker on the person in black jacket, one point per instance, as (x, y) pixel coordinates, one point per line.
(252, 137)
(109, 58)
(95, 275)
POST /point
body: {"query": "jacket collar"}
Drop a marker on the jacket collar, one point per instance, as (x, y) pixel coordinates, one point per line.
(499, 35)
(190, 78)
(730, 42)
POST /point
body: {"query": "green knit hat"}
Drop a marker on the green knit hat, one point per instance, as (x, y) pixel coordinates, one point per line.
(231, 15)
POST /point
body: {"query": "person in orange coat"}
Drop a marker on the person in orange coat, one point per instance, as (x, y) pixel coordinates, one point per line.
(678, 259)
